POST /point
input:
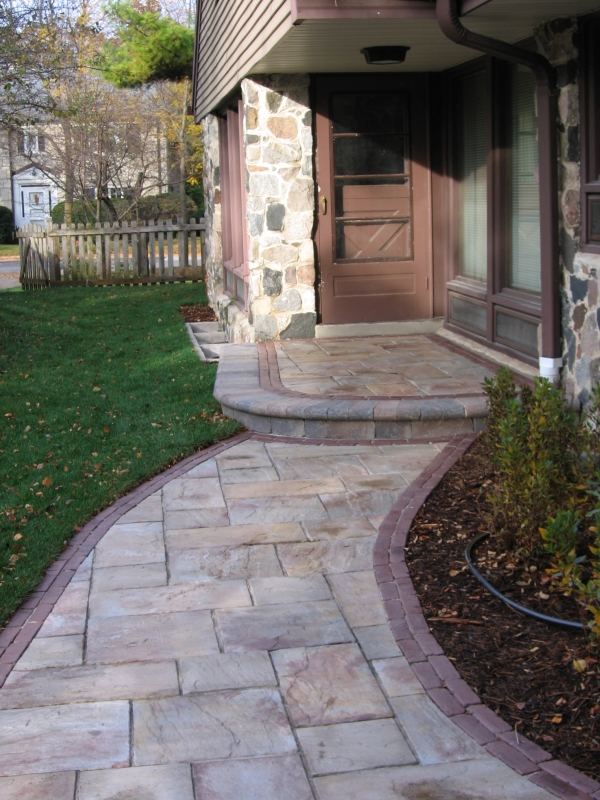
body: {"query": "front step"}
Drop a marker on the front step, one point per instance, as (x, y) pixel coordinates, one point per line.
(207, 339)
(246, 395)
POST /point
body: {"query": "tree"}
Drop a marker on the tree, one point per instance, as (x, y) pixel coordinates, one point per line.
(148, 48)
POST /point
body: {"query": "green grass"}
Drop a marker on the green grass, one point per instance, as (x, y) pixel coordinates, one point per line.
(9, 250)
(99, 390)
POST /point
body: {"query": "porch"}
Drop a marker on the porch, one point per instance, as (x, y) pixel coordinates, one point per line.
(403, 387)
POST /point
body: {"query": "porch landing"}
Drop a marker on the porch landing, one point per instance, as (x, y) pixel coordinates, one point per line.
(360, 388)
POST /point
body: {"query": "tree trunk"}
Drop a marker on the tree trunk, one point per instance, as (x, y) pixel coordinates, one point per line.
(183, 153)
(69, 177)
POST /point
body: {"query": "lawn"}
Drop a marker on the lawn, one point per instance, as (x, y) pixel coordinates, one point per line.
(99, 390)
(9, 250)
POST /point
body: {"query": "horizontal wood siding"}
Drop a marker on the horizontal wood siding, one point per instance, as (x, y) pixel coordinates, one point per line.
(231, 37)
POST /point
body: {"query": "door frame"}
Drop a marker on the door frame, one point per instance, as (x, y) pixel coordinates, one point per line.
(416, 84)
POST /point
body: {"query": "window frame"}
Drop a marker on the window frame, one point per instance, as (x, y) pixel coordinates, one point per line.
(233, 204)
(589, 99)
(495, 292)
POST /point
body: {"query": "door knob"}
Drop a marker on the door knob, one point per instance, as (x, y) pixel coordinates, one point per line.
(323, 206)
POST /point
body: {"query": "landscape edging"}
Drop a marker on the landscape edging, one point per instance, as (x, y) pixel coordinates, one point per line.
(436, 673)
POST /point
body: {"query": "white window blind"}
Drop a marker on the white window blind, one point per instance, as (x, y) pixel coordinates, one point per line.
(473, 178)
(525, 262)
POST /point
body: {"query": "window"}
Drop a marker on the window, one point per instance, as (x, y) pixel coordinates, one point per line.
(472, 177)
(524, 270)
(31, 142)
(495, 281)
(235, 257)
(590, 134)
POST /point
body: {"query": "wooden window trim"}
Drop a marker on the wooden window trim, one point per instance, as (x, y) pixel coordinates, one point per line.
(495, 292)
(589, 94)
(233, 202)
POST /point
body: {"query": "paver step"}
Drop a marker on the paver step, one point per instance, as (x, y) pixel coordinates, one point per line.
(248, 390)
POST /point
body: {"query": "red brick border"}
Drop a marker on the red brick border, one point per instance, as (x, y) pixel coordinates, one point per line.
(26, 622)
(435, 671)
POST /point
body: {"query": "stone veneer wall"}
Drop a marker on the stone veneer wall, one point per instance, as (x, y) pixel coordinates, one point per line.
(580, 301)
(280, 208)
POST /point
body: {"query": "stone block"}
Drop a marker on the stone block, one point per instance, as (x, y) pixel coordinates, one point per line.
(469, 780)
(302, 326)
(283, 127)
(51, 785)
(275, 216)
(343, 555)
(54, 651)
(377, 641)
(151, 637)
(272, 282)
(290, 300)
(351, 746)
(165, 782)
(277, 591)
(227, 564)
(272, 627)
(358, 596)
(217, 725)
(396, 676)
(226, 671)
(328, 685)
(265, 778)
(62, 738)
(434, 738)
(135, 577)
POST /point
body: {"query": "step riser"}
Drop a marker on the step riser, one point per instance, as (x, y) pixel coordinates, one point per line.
(355, 429)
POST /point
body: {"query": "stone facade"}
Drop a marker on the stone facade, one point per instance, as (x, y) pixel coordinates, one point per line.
(580, 302)
(280, 209)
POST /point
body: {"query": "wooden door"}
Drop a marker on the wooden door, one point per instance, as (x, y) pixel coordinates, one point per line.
(374, 199)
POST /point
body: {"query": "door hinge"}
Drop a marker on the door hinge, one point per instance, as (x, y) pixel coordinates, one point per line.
(427, 283)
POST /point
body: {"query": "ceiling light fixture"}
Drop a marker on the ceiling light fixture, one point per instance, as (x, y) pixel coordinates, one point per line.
(383, 56)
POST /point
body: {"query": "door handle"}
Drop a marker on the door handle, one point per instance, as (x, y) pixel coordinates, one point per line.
(323, 206)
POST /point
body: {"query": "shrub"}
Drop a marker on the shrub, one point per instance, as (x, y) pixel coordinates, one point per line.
(536, 444)
(7, 226)
(163, 206)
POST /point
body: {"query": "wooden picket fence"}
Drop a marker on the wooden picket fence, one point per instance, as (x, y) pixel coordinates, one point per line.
(165, 251)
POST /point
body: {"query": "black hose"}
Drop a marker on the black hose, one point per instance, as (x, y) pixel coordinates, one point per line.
(565, 623)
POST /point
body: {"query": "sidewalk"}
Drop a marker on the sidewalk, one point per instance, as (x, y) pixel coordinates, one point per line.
(226, 640)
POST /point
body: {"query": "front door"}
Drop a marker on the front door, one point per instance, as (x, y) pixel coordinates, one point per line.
(374, 198)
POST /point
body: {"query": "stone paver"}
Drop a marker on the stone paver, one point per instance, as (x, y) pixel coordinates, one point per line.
(226, 640)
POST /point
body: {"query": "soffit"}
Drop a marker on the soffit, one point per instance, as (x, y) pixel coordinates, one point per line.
(333, 45)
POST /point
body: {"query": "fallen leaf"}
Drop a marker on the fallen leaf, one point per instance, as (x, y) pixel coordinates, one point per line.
(47, 482)
(106, 430)
(27, 428)
(543, 596)
(557, 719)
(521, 706)
(454, 573)
(96, 389)
(580, 664)
(17, 536)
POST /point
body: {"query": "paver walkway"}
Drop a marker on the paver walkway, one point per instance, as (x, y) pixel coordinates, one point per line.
(226, 641)
(390, 366)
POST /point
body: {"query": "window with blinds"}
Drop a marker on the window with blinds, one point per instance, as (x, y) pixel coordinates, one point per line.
(472, 177)
(525, 262)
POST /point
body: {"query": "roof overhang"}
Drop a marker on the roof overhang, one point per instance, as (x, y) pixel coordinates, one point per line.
(328, 35)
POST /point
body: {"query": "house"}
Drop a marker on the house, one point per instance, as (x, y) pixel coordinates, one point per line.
(374, 162)
(27, 182)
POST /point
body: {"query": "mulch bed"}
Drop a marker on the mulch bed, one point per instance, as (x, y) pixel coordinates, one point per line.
(197, 313)
(521, 668)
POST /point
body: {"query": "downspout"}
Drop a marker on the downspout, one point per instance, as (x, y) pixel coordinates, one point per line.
(550, 360)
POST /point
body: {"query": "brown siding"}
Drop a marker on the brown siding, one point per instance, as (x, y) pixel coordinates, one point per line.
(231, 37)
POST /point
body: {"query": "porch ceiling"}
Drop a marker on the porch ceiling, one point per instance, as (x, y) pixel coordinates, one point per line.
(334, 45)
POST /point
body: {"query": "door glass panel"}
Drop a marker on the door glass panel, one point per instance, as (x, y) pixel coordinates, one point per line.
(525, 262)
(372, 187)
(472, 184)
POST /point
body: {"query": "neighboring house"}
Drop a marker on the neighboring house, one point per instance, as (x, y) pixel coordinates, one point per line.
(26, 182)
(426, 179)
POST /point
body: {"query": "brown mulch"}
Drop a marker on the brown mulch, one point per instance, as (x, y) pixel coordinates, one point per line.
(521, 668)
(197, 313)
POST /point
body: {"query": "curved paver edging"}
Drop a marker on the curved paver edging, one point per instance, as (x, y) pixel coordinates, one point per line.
(435, 671)
(26, 622)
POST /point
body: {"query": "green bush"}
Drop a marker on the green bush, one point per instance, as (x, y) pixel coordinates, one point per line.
(154, 207)
(539, 449)
(7, 226)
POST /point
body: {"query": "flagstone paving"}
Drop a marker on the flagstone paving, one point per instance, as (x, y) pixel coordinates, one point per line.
(397, 366)
(226, 640)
